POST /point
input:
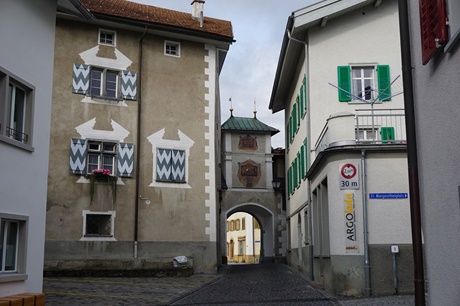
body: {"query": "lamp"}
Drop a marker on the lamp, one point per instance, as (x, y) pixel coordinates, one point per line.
(276, 184)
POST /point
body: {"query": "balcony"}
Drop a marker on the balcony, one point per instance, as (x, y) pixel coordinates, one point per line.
(365, 127)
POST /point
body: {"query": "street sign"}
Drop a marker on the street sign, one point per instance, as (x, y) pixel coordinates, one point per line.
(388, 196)
(348, 176)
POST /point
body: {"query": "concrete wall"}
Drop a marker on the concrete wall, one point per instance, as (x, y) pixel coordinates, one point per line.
(436, 112)
(27, 51)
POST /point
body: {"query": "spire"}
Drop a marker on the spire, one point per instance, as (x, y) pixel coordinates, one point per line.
(255, 109)
(231, 107)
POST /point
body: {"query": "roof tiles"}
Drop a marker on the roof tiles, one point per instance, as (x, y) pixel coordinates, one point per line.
(247, 125)
(155, 15)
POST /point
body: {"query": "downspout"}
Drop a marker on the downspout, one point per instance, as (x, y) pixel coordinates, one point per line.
(367, 266)
(308, 149)
(138, 151)
(416, 223)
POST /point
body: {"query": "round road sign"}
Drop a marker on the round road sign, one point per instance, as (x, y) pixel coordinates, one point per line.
(348, 171)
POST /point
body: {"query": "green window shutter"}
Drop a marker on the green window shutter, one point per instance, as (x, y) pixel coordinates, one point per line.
(288, 131)
(302, 161)
(344, 83)
(290, 179)
(298, 112)
(384, 81)
(387, 133)
(302, 102)
(294, 116)
(306, 157)
(299, 166)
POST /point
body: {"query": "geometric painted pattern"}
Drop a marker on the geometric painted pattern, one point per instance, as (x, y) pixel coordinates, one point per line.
(170, 165)
(78, 150)
(128, 85)
(80, 81)
(125, 159)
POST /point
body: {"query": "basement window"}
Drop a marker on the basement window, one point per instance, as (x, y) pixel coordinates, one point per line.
(172, 48)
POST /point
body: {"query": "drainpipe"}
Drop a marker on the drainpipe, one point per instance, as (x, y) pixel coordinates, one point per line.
(416, 223)
(308, 148)
(367, 266)
(138, 151)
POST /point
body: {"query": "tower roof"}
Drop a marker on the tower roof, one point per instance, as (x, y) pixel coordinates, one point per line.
(241, 124)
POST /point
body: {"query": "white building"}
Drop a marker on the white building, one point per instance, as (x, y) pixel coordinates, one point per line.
(435, 66)
(345, 146)
(243, 239)
(26, 77)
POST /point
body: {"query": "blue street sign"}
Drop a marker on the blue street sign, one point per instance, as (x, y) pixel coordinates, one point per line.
(388, 196)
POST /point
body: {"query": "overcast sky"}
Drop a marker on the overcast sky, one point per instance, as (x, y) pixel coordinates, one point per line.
(249, 69)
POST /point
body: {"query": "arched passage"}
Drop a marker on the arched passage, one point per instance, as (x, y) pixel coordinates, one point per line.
(266, 220)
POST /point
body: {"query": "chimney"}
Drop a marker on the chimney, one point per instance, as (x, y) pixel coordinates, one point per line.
(197, 11)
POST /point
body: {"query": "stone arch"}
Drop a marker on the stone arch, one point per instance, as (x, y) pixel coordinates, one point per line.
(264, 216)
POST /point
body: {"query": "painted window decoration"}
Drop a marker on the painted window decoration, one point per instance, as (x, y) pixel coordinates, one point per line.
(12, 243)
(107, 37)
(98, 225)
(172, 48)
(364, 83)
(16, 109)
(249, 173)
(170, 165)
(99, 82)
(248, 143)
(88, 155)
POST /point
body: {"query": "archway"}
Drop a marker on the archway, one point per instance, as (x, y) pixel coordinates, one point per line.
(264, 217)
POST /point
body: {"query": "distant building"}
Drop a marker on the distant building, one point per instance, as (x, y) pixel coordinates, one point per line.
(136, 93)
(243, 239)
(435, 65)
(26, 80)
(248, 186)
(346, 166)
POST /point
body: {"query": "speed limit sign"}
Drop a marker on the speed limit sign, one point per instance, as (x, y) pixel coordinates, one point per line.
(348, 176)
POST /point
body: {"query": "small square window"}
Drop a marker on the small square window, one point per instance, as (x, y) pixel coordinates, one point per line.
(98, 225)
(172, 48)
(107, 37)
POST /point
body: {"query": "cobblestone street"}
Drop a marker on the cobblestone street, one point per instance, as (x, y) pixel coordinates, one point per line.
(267, 284)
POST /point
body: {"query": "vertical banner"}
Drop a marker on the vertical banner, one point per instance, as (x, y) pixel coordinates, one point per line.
(351, 241)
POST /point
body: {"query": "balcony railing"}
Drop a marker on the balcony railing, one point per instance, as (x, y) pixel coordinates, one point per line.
(381, 126)
(366, 126)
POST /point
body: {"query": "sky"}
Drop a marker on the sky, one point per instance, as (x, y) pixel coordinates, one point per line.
(250, 65)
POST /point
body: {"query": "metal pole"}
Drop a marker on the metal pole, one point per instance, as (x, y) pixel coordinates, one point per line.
(367, 266)
(416, 224)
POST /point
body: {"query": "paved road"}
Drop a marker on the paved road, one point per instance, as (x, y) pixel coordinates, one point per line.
(266, 284)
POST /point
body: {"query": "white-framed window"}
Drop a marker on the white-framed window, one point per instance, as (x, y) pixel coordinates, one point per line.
(16, 110)
(170, 160)
(98, 225)
(87, 155)
(363, 82)
(13, 239)
(104, 83)
(107, 37)
(101, 155)
(366, 133)
(172, 48)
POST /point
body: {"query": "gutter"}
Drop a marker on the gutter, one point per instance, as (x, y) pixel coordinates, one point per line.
(82, 9)
(412, 159)
(138, 151)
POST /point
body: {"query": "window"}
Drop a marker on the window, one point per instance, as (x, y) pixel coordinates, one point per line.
(87, 155)
(172, 48)
(101, 155)
(107, 37)
(104, 83)
(170, 165)
(364, 83)
(13, 233)
(98, 225)
(16, 110)
(243, 224)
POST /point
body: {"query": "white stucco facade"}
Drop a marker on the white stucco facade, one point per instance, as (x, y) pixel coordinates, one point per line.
(328, 220)
(27, 56)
